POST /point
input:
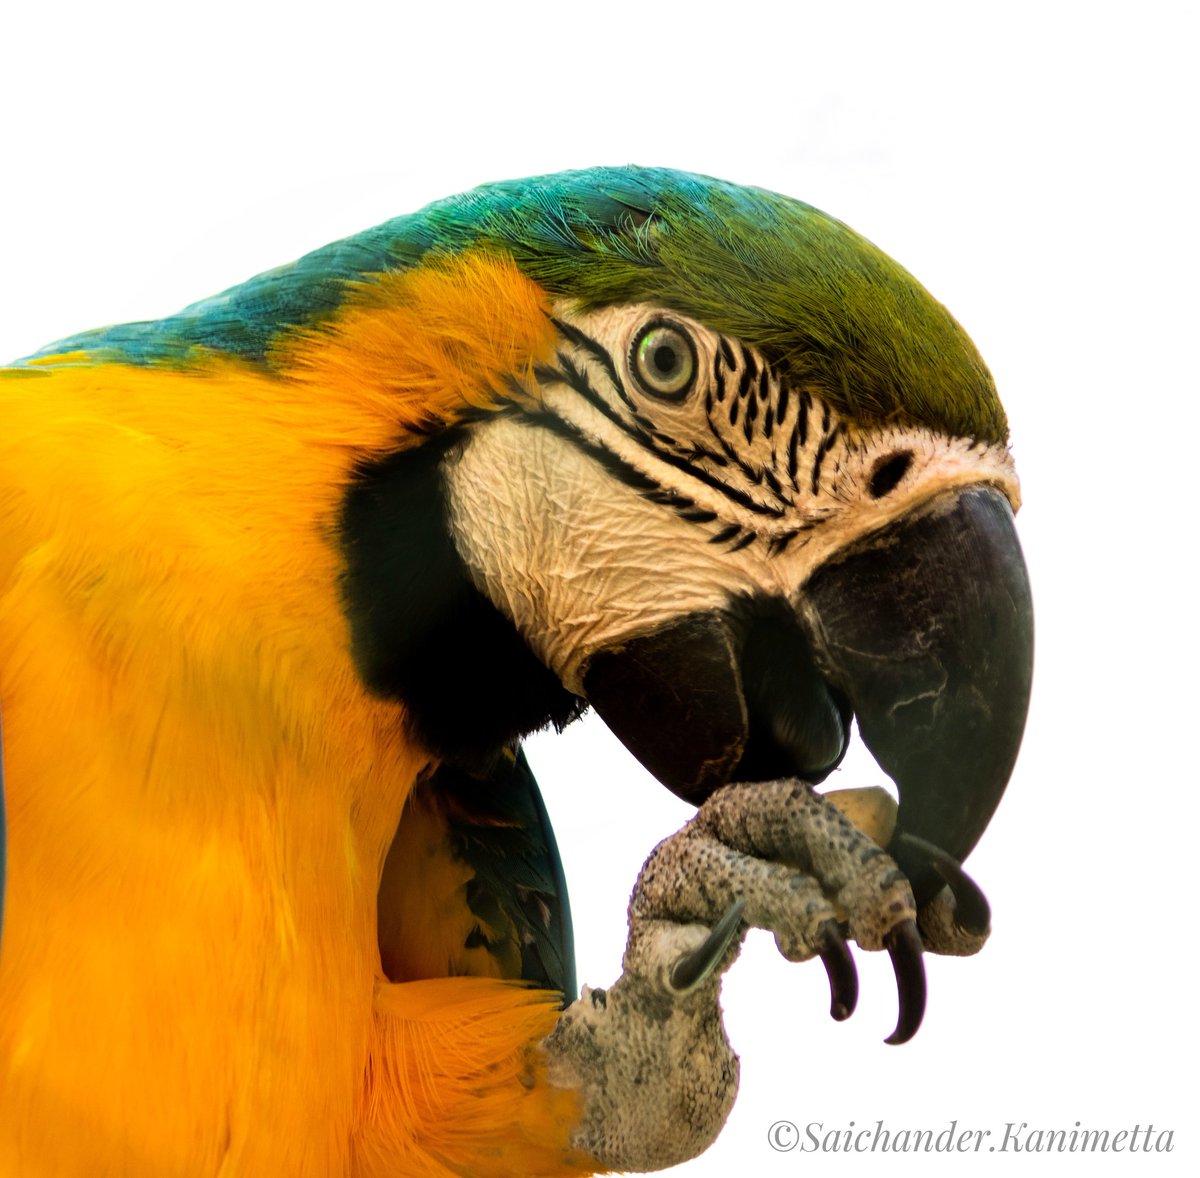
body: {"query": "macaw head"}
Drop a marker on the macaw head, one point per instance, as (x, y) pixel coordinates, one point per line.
(744, 481)
(694, 454)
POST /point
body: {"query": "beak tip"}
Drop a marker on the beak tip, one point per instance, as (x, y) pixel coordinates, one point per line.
(928, 629)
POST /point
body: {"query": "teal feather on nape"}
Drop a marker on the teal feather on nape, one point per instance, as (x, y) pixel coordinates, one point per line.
(246, 320)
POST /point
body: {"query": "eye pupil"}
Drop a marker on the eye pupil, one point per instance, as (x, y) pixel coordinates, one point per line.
(663, 359)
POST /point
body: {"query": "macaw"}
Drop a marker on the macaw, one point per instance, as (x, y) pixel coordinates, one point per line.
(286, 577)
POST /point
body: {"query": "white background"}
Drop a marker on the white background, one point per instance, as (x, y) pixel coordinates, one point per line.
(1032, 165)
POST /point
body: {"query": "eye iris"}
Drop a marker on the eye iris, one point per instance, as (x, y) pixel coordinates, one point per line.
(665, 361)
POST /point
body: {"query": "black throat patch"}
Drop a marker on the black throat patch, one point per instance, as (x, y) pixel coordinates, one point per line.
(420, 630)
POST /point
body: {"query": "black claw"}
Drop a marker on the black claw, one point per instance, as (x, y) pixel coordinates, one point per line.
(971, 909)
(843, 977)
(904, 947)
(694, 967)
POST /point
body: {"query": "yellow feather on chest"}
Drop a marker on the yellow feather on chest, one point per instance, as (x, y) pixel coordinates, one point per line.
(195, 776)
(201, 793)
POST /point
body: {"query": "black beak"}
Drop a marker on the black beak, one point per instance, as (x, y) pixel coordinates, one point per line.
(928, 628)
(924, 631)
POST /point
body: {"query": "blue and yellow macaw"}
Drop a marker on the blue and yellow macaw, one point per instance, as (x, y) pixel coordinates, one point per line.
(285, 579)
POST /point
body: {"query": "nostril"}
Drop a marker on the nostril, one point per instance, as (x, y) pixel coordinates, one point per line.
(888, 472)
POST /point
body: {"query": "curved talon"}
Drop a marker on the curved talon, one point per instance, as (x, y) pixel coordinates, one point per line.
(971, 909)
(839, 966)
(904, 947)
(695, 966)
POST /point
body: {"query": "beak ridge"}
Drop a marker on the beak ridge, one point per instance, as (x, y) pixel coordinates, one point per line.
(927, 627)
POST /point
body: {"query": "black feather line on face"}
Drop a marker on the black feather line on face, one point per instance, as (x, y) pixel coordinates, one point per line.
(747, 378)
(624, 472)
(826, 444)
(570, 374)
(726, 534)
(754, 388)
(599, 353)
(647, 487)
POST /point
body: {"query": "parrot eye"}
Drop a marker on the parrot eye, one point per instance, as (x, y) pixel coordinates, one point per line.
(663, 359)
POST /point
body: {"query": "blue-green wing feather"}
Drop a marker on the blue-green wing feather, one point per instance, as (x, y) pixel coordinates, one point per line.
(501, 828)
(496, 823)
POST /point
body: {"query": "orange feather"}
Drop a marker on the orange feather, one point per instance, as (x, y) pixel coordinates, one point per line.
(202, 794)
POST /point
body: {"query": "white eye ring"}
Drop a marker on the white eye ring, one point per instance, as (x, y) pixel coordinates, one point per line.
(663, 359)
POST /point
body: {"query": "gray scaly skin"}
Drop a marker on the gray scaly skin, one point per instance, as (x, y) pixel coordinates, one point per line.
(649, 1055)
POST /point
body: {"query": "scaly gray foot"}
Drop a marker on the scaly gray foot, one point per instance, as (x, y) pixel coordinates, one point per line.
(649, 1055)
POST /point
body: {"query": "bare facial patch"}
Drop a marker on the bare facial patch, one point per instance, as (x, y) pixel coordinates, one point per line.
(668, 469)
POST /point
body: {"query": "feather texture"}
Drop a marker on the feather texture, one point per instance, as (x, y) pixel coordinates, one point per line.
(822, 302)
(201, 790)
